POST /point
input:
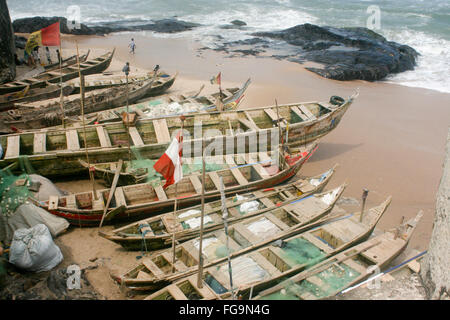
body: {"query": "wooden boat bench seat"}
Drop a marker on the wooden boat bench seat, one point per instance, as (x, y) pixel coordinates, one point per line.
(299, 113)
(136, 137)
(191, 250)
(215, 179)
(265, 264)
(119, 196)
(196, 183)
(71, 201)
(318, 243)
(161, 131)
(245, 233)
(160, 193)
(39, 142)
(237, 174)
(103, 137)
(205, 292)
(276, 221)
(73, 143)
(170, 224)
(307, 112)
(12, 147)
(153, 268)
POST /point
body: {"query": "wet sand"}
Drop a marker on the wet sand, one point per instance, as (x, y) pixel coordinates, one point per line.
(391, 141)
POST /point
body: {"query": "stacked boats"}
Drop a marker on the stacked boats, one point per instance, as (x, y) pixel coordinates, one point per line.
(233, 226)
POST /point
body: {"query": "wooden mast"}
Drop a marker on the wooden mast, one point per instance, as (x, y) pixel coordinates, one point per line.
(182, 118)
(91, 173)
(61, 98)
(200, 256)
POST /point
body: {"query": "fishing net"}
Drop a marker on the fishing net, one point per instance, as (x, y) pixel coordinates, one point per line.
(330, 281)
(14, 191)
(302, 252)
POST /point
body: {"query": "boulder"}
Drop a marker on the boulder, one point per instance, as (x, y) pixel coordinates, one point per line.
(7, 46)
(28, 25)
(346, 53)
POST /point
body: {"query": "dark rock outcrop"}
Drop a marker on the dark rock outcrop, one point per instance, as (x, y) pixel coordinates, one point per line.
(7, 46)
(346, 53)
(28, 25)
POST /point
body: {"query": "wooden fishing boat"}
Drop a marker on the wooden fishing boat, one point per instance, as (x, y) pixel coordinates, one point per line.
(67, 62)
(55, 152)
(145, 200)
(267, 265)
(346, 269)
(155, 108)
(162, 83)
(96, 65)
(8, 101)
(245, 236)
(157, 231)
(48, 113)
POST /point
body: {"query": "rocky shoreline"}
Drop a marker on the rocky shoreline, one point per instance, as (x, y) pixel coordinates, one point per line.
(343, 53)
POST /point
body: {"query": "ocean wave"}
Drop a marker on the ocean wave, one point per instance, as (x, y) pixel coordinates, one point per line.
(433, 64)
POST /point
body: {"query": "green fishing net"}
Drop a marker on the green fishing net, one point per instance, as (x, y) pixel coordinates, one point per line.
(13, 191)
(301, 252)
(333, 279)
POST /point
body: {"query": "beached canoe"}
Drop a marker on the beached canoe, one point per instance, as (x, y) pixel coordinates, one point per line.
(157, 232)
(67, 62)
(139, 201)
(96, 65)
(169, 105)
(265, 266)
(48, 113)
(346, 269)
(294, 216)
(8, 101)
(162, 83)
(56, 152)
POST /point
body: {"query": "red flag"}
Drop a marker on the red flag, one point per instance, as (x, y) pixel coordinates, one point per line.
(216, 79)
(50, 35)
(169, 165)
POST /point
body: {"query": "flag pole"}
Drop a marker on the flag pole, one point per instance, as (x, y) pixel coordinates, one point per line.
(91, 174)
(61, 99)
(225, 217)
(200, 257)
(280, 143)
(182, 118)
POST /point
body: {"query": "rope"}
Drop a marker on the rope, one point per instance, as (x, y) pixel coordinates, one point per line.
(144, 244)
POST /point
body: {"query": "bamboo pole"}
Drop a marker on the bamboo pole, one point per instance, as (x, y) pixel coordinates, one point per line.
(91, 174)
(280, 143)
(182, 118)
(225, 222)
(200, 256)
(61, 98)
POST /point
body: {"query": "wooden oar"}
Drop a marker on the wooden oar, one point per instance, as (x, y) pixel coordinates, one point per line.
(113, 188)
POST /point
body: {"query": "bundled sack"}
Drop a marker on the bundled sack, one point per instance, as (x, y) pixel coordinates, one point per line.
(26, 216)
(33, 249)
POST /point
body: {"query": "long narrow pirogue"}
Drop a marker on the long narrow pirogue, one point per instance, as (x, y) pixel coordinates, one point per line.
(145, 200)
(158, 107)
(267, 265)
(9, 101)
(346, 269)
(95, 82)
(48, 113)
(67, 62)
(293, 217)
(157, 231)
(56, 152)
(96, 65)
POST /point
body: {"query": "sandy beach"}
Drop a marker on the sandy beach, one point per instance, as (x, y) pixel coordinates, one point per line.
(391, 141)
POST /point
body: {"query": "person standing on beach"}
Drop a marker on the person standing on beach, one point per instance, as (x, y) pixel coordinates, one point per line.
(132, 46)
(47, 53)
(59, 56)
(35, 54)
